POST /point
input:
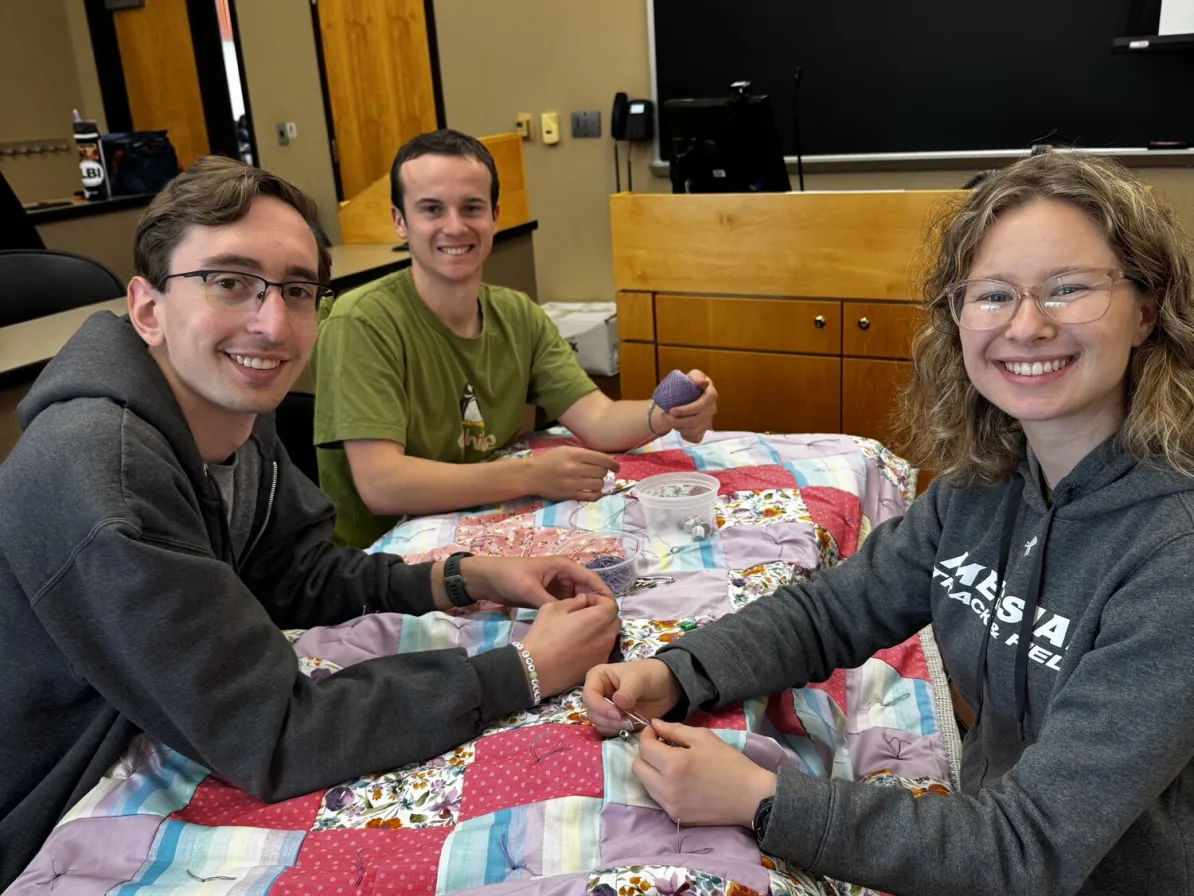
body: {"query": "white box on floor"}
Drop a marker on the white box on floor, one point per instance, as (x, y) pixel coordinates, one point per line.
(591, 328)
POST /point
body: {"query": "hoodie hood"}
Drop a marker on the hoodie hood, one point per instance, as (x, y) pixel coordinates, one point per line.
(107, 359)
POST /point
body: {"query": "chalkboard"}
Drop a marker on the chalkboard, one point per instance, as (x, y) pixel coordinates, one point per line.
(928, 75)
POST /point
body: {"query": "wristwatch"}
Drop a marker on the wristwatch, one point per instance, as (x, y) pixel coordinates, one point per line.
(762, 819)
(454, 582)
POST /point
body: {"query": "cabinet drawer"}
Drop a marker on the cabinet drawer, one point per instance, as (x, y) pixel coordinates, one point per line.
(636, 317)
(766, 393)
(879, 329)
(770, 325)
(636, 361)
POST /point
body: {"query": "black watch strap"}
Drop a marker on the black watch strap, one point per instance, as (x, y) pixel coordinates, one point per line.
(762, 818)
(454, 582)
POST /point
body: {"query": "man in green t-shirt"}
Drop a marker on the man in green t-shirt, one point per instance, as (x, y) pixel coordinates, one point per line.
(424, 372)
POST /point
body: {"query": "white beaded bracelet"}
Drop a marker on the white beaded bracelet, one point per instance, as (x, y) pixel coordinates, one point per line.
(536, 693)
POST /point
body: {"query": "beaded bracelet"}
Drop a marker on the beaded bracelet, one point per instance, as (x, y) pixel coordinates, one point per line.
(536, 694)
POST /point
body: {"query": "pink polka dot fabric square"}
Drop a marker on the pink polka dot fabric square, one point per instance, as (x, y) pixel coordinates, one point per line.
(639, 466)
(781, 712)
(837, 512)
(753, 479)
(360, 862)
(729, 717)
(834, 687)
(540, 762)
(216, 803)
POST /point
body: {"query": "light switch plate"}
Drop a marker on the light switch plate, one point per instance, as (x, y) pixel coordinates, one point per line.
(522, 126)
(283, 134)
(549, 122)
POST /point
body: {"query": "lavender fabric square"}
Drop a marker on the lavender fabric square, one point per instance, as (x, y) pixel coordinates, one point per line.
(88, 856)
(364, 638)
(631, 835)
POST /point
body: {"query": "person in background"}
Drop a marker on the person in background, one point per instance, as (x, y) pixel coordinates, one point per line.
(156, 540)
(425, 372)
(1052, 391)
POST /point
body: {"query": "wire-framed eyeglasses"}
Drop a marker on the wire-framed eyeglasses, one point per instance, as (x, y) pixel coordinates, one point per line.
(238, 291)
(1074, 297)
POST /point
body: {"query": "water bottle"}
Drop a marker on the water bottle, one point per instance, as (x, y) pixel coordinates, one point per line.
(92, 168)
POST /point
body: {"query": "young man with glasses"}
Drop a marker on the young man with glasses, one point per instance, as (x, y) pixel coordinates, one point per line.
(155, 539)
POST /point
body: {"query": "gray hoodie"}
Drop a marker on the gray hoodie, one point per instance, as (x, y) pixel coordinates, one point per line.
(124, 609)
(1077, 777)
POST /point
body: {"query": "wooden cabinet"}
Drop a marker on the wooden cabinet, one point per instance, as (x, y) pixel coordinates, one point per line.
(780, 364)
(870, 395)
(772, 325)
(766, 392)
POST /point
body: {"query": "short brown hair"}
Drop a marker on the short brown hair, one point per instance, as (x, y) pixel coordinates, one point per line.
(213, 192)
(948, 427)
(444, 142)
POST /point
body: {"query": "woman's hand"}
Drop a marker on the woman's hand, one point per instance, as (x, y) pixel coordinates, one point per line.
(646, 686)
(698, 778)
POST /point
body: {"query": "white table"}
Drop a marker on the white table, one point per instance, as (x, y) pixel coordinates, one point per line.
(38, 340)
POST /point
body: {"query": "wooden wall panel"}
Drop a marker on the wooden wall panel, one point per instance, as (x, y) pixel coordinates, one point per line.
(158, 59)
(378, 66)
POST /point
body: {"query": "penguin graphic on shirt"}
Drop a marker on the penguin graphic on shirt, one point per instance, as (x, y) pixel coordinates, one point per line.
(472, 425)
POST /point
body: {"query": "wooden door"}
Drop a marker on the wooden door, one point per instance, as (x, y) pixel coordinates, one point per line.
(761, 392)
(157, 56)
(870, 391)
(378, 68)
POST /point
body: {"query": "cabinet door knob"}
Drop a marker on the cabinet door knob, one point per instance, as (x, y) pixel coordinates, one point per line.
(863, 323)
(819, 321)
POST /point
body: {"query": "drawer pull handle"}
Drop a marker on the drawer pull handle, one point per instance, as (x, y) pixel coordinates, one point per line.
(863, 323)
(819, 322)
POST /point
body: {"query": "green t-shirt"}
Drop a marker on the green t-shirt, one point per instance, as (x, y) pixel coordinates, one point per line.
(387, 368)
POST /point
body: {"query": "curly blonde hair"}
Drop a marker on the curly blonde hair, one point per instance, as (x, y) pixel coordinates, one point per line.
(945, 425)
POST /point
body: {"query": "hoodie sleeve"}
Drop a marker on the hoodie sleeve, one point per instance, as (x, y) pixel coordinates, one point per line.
(1117, 734)
(303, 579)
(177, 644)
(877, 598)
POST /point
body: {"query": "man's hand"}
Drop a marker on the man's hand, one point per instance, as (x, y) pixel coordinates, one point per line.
(692, 421)
(530, 581)
(570, 474)
(571, 636)
(646, 686)
(698, 778)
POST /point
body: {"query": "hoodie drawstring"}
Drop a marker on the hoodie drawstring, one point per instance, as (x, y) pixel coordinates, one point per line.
(1010, 511)
(1031, 601)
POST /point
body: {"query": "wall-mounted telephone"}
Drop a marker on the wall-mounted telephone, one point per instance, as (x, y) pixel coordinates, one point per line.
(634, 122)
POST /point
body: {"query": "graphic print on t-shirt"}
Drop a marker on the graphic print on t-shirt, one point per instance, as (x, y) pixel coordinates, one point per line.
(472, 424)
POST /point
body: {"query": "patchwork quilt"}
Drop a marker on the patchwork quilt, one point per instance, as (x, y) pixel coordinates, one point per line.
(539, 804)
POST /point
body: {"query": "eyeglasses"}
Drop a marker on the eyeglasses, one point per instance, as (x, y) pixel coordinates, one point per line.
(238, 291)
(1075, 297)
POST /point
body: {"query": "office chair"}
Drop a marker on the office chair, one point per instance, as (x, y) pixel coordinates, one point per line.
(294, 420)
(16, 227)
(36, 283)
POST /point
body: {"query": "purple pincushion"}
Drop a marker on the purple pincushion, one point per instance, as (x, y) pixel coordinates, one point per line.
(676, 390)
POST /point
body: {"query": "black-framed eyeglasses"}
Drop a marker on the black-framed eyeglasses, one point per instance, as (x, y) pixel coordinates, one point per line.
(1074, 297)
(238, 291)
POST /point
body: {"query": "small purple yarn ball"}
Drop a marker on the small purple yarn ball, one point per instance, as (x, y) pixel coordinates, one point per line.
(676, 390)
